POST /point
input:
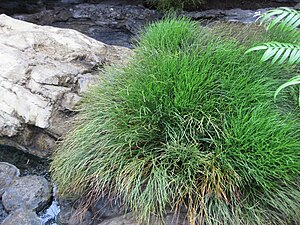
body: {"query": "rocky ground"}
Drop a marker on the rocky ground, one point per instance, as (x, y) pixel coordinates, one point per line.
(22, 197)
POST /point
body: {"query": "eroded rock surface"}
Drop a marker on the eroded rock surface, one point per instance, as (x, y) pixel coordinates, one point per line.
(29, 192)
(43, 73)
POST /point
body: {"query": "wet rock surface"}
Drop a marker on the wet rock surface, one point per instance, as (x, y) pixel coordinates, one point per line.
(111, 23)
(29, 192)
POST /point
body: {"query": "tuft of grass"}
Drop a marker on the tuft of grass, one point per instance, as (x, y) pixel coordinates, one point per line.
(189, 125)
(167, 5)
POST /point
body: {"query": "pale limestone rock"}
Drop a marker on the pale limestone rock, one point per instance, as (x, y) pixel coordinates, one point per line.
(43, 73)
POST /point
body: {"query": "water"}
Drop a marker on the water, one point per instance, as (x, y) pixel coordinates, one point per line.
(32, 165)
(49, 215)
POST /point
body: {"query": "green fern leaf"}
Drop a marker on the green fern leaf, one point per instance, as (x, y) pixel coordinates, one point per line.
(287, 19)
(293, 81)
(279, 52)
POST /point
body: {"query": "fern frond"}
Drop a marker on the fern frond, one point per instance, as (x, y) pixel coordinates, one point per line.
(279, 52)
(294, 81)
(286, 19)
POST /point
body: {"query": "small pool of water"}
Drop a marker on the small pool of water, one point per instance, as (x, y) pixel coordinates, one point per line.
(31, 165)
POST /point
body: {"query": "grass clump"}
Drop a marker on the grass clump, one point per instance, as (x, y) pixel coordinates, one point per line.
(166, 5)
(190, 124)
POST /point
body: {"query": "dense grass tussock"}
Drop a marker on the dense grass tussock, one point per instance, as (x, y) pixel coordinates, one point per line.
(175, 4)
(190, 124)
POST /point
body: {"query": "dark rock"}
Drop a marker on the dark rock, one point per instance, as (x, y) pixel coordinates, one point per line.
(108, 22)
(22, 217)
(108, 209)
(86, 218)
(30, 192)
(26, 163)
(129, 219)
(8, 173)
(287, 1)
(66, 209)
(231, 15)
(3, 213)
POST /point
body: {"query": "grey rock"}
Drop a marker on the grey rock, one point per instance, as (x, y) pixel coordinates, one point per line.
(3, 213)
(129, 219)
(82, 219)
(66, 210)
(29, 192)
(71, 214)
(8, 173)
(110, 22)
(108, 209)
(231, 15)
(287, 1)
(22, 217)
(43, 74)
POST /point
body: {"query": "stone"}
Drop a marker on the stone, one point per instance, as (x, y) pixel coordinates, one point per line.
(287, 1)
(108, 209)
(71, 214)
(66, 210)
(29, 192)
(44, 71)
(22, 217)
(231, 15)
(3, 213)
(8, 174)
(129, 219)
(112, 22)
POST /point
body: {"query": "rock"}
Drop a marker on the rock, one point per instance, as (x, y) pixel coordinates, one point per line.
(8, 173)
(3, 213)
(129, 219)
(43, 74)
(108, 209)
(22, 217)
(29, 192)
(66, 210)
(287, 1)
(111, 22)
(86, 219)
(70, 214)
(231, 15)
